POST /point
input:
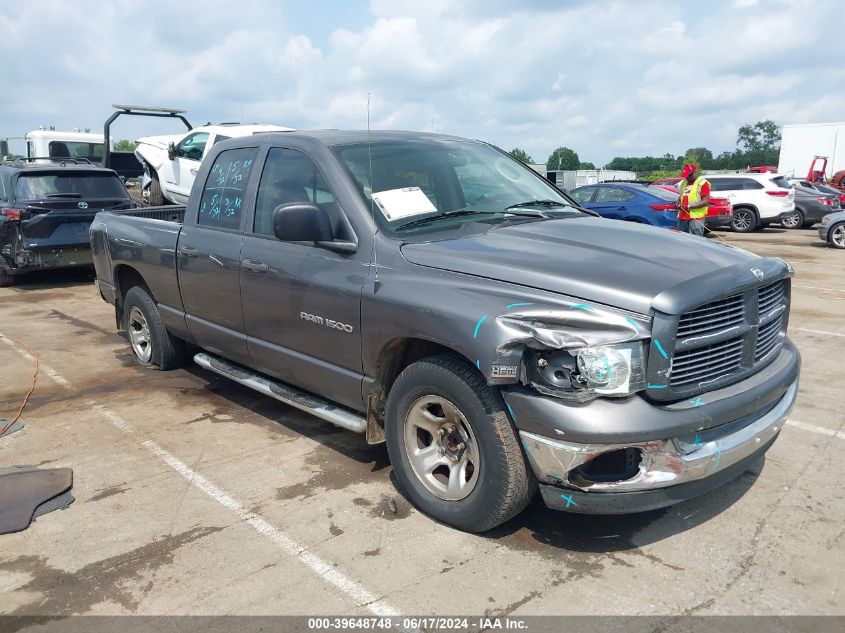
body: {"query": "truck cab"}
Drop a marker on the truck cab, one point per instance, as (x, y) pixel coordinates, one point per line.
(53, 144)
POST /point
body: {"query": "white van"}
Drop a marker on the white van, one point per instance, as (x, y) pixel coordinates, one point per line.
(757, 199)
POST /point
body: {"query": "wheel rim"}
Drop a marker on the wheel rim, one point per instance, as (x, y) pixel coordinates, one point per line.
(441, 448)
(837, 236)
(791, 221)
(742, 220)
(139, 335)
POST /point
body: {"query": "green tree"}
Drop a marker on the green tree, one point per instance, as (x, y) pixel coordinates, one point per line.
(521, 154)
(563, 158)
(763, 135)
(586, 166)
(700, 156)
(125, 145)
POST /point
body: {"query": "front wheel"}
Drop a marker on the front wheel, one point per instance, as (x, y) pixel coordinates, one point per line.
(455, 454)
(744, 220)
(152, 345)
(6, 277)
(836, 235)
(794, 220)
(156, 196)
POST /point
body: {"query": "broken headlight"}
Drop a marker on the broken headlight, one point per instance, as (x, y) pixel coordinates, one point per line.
(616, 370)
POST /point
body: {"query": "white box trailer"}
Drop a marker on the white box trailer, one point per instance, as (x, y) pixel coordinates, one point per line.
(800, 143)
(569, 179)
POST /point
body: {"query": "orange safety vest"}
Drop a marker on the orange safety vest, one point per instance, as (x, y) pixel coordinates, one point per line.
(690, 194)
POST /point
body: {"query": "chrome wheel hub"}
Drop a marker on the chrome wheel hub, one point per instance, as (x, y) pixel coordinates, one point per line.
(837, 236)
(441, 448)
(139, 335)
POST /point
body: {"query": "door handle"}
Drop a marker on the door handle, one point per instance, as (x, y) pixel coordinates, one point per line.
(193, 171)
(255, 266)
(189, 251)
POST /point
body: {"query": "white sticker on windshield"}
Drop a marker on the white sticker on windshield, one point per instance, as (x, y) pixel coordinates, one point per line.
(403, 203)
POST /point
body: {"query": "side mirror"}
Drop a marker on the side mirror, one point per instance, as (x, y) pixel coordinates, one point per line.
(171, 151)
(302, 222)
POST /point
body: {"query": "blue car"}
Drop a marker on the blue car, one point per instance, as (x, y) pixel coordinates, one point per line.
(631, 202)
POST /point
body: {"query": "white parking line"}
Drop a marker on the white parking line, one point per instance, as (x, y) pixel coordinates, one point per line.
(816, 429)
(51, 373)
(353, 589)
(822, 332)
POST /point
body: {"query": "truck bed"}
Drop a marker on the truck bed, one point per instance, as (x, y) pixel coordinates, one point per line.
(170, 213)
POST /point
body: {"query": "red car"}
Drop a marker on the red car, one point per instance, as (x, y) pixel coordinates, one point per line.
(719, 211)
(762, 169)
(666, 181)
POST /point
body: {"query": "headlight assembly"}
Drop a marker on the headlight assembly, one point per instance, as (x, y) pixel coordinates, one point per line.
(616, 370)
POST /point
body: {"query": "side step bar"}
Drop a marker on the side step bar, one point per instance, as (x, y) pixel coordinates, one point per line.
(284, 393)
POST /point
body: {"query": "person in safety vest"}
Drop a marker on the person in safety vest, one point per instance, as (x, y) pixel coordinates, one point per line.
(693, 201)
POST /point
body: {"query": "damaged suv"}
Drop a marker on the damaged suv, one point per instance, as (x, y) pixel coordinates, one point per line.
(46, 208)
(434, 293)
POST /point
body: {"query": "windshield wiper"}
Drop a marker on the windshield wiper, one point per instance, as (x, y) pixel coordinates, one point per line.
(63, 195)
(452, 214)
(538, 203)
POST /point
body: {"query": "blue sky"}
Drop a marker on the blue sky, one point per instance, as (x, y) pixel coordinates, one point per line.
(604, 78)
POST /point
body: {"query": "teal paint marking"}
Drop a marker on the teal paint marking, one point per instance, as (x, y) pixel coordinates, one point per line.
(478, 364)
(569, 500)
(697, 440)
(581, 306)
(510, 410)
(650, 386)
(718, 457)
(632, 322)
(478, 325)
(697, 402)
(660, 349)
(516, 305)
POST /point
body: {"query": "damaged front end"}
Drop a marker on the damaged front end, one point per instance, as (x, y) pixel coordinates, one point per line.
(575, 353)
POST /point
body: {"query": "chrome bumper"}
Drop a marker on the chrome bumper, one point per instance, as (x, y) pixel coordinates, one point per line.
(665, 463)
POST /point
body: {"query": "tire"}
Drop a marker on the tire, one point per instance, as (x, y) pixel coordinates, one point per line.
(444, 393)
(836, 235)
(152, 345)
(156, 196)
(6, 277)
(744, 220)
(793, 221)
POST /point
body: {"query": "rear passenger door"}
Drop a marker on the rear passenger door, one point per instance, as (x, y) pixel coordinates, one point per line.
(209, 257)
(612, 202)
(302, 303)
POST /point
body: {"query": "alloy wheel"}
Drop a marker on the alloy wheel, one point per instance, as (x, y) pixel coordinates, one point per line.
(139, 335)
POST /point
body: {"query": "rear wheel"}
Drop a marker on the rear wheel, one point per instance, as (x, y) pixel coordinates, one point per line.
(836, 235)
(152, 345)
(156, 196)
(794, 220)
(455, 454)
(744, 220)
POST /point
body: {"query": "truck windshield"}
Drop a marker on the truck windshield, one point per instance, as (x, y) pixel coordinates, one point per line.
(71, 185)
(459, 181)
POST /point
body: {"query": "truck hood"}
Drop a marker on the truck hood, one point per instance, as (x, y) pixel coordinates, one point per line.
(160, 142)
(611, 262)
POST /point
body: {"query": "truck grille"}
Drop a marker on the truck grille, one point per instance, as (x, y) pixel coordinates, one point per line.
(706, 363)
(717, 343)
(712, 317)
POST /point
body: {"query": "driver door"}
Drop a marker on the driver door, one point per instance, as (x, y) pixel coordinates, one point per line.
(185, 163)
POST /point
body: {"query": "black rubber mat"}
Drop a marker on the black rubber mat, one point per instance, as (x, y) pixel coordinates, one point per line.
(27, 492)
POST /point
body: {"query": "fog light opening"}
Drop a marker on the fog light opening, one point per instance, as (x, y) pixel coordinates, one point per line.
(610, 467)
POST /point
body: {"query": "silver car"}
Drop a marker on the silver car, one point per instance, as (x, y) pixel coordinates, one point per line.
(832, 229)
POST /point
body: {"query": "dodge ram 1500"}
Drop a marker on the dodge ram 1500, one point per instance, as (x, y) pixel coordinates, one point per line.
(432, 293)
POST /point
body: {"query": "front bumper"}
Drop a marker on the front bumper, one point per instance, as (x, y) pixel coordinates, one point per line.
(823, 231)
(675, 451)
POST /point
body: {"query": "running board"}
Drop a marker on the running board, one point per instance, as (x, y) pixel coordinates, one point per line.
(284, 393)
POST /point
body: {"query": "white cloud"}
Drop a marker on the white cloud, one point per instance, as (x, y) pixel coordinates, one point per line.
(621, 77)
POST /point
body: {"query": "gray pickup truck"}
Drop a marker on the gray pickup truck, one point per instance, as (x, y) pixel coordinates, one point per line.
(432, 293)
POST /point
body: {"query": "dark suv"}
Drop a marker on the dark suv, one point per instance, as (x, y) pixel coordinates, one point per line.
(46, 208)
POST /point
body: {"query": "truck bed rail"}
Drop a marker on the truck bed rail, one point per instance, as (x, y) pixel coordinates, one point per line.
(171, 213)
